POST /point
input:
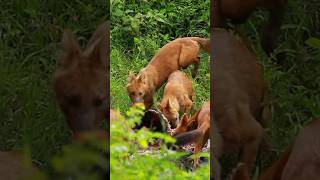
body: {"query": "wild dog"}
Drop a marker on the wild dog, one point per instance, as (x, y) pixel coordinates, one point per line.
(299, 162)
(177, 97)
(179, 53)
(80, 81)
(239, 11)
(239, 97)
(197, 130)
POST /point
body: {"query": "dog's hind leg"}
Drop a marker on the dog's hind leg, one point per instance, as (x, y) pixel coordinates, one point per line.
(189, 54)
(196, 67)
(254, 133)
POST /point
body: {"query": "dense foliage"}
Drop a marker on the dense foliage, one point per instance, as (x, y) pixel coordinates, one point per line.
(127, 162)
(292, 71)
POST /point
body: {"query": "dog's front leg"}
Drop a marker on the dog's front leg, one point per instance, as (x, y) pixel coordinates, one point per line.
(148, 101)
(198, 149)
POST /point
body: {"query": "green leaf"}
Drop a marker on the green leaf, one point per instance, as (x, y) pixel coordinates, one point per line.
(313, 42)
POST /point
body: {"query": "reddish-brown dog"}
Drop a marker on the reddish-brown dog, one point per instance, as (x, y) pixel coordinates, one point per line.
(177, 97)
(80, 81)
(239, 101)
(299, 162)
(179, 53)
(197, 130)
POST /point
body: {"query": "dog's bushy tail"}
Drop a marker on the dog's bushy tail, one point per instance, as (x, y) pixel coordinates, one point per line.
(188, 137)
(204, 43)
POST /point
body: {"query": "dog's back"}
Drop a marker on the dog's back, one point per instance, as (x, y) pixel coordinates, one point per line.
(178, 83)
(178, 53)
(236, 74)
(238, 94)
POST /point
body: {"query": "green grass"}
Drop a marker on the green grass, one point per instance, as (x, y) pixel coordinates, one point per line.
(127, 163)
(30, 33)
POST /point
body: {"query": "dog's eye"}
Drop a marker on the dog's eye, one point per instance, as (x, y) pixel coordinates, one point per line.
(140, 93)
(73, 100)
(132, 93)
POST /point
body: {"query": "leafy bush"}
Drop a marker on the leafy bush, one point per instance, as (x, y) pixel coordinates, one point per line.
(127, 162)
(157, 20)
(82, 161)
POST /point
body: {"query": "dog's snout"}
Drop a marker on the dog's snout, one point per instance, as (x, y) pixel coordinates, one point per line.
(173, 125)
(137, 100)
(84, 121)
(177, 120)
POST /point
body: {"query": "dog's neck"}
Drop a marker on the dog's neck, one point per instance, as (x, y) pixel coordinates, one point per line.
(151, 78)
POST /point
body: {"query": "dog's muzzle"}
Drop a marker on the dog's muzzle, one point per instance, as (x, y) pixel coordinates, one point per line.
(137, 100)
(84, 121)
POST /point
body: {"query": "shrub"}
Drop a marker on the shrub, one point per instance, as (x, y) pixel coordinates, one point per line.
(127, 162)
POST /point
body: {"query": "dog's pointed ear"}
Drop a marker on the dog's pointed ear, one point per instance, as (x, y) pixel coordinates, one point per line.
(98, 46)
(70, 49)
(142, 78)
(131, 77)
(170, 105)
